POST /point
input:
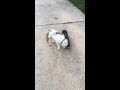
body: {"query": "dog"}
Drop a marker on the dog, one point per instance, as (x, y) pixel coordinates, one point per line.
(61, 39)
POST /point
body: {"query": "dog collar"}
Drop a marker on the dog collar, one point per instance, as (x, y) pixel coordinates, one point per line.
(62, 41)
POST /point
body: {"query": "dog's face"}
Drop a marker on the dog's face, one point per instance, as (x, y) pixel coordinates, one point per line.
(52, 32)
(64, 43)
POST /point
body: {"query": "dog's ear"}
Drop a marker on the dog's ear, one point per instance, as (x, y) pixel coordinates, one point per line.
(47, 36)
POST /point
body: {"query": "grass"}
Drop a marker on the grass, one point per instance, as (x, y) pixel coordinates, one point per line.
(80, 4)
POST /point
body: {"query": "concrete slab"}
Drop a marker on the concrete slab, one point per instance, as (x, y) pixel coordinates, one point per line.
(60, 69)
(56, 11)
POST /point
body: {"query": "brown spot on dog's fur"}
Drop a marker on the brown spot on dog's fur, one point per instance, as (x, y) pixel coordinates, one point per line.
(47, 33)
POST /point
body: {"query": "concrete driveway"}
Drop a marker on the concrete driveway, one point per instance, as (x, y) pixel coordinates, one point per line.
(59, 69)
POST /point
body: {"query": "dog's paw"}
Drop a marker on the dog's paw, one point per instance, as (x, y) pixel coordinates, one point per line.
(49, 44)
(58, 48)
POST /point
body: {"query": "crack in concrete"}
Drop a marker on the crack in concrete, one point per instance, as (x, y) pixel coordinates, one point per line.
(59, 23)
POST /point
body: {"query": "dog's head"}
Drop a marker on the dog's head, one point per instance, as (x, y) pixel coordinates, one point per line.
(52, 32)
(64, 43)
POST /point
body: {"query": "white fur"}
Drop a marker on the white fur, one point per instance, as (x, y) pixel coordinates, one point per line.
(58, 38)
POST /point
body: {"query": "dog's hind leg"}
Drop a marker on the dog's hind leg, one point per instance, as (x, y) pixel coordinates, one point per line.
(53, 41)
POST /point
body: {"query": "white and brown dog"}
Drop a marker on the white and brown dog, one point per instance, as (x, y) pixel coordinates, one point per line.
(61, 39)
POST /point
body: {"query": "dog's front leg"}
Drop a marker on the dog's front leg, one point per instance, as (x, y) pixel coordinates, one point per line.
(58, 46)
(50, 42)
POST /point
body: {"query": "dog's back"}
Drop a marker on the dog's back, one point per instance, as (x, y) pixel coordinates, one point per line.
(66, 36)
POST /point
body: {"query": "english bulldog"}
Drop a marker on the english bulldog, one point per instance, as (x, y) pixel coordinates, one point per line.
(61, 39)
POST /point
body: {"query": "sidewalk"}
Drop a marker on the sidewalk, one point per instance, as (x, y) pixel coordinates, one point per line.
(59, 69)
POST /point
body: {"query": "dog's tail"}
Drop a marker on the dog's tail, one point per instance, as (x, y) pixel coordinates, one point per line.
(47, 36)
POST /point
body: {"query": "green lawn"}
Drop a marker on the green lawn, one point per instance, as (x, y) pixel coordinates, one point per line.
(80, 4)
